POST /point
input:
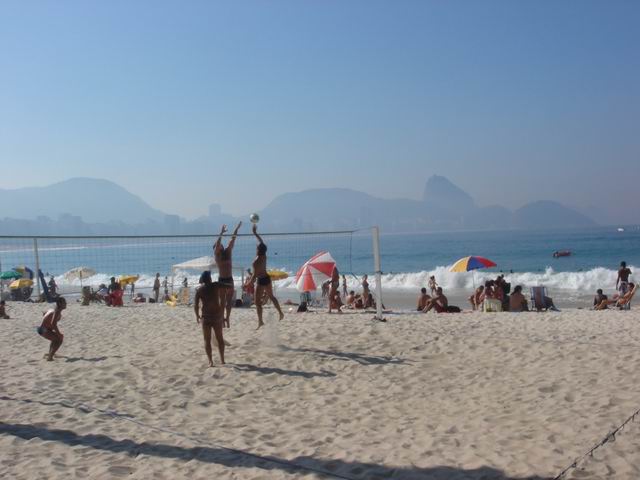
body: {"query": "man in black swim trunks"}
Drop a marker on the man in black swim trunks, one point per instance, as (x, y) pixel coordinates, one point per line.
(263, 279)
(622, 282)
(212, 316)
(222, 257)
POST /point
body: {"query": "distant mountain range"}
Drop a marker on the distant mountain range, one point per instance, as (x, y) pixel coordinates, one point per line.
(92, 199)
(93, 206)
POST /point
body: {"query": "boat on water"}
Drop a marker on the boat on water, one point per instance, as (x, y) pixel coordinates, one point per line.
(621, 229)
(562, 253)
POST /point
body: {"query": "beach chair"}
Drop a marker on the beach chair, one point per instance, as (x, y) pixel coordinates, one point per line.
(491, 305)
(538, 295)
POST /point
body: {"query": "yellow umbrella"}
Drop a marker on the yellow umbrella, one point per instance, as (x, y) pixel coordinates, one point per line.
(127, 279)
(277, 274)
(21, 283)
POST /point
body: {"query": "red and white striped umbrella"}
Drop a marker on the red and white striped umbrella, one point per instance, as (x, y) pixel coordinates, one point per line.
(315, 271)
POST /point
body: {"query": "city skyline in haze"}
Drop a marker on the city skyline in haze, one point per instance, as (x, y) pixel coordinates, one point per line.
(237, 102)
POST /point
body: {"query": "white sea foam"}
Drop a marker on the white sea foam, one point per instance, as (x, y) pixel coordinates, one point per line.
(586, 281)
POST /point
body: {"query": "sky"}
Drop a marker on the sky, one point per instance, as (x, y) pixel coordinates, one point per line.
(188, 103)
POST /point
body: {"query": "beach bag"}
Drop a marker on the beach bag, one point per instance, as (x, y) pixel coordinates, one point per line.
(453, 309)
(302, 307)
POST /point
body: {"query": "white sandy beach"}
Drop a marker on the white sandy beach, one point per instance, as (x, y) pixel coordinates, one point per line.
(464, 396)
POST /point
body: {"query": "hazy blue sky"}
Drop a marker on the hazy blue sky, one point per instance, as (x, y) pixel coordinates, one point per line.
(187, 103)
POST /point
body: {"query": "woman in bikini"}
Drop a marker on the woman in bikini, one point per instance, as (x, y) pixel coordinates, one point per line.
(49, 328)
(263, 286)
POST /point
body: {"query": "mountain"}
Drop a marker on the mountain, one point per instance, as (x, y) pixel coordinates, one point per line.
(442, 196)
(93, 199)
(85, 206)
(545, 214)
(338, 208)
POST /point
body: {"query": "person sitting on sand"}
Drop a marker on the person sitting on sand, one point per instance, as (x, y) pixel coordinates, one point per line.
(433, 285)
(423, 299)
(212, 315)
(477, 298)
(599, 298)
(517, 302)
(439, 302)
(488, 290)
(3, 312)
(619, 300)
(264, 287)
(350, 299)
(49, 327)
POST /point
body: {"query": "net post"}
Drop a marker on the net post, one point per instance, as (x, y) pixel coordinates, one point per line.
(375, 231)
(37, 257)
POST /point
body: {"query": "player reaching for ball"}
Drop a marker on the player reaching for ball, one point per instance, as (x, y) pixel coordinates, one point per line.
(222, 257)
(263, 279)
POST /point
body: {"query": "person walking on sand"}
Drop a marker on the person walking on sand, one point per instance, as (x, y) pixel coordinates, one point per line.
(333, 288)
(3, 312)
(622, 282)
(209, 294)
(49, 327)
(263, 280)
(366, 293)
(165, 286)
(433, 285)
(156, 288)
(223, 260)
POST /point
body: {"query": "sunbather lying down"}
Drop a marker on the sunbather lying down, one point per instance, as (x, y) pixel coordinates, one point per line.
(618, 300)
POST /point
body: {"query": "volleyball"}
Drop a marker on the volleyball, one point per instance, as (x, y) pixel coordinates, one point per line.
(254, 218)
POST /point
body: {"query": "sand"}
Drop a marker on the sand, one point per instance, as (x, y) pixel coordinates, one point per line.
(468, 396)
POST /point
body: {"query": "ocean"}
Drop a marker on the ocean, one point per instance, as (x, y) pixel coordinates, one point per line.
(526, 257)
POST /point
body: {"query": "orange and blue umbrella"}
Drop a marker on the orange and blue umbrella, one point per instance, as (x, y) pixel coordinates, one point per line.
(467, 264)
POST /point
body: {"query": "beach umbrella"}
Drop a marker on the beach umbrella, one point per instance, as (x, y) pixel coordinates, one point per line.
(80, 273)
(468, 264)
(25, 271)
(21, 283)
(127, 279)
(277, 274)
(10, 275)
(315, 271)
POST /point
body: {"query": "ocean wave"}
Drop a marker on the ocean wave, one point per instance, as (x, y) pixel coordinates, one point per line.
(585, 281)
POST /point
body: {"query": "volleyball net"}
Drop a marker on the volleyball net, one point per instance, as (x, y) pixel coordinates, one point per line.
(180, 259)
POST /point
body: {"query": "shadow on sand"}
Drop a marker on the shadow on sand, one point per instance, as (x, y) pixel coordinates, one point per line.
(83, 359)
(81, 407)
(279, 371)
(361, 358)
(325, 468)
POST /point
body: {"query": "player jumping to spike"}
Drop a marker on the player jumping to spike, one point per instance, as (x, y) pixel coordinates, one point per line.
(263, 279)
(223, 260)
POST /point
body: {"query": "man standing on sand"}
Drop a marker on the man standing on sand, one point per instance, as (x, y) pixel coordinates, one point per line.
(210, 294)
(165, 286)
(622, 282)
(49, 327)
(156, 287)
(222, 257)
(344, 286)
(333, 289)
(263, 279)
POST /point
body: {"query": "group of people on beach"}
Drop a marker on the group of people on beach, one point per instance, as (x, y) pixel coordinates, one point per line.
(625, 290)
